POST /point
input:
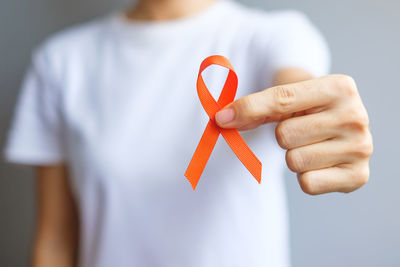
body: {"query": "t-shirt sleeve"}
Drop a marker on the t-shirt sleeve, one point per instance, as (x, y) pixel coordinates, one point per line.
(35, 135)
(295, 42)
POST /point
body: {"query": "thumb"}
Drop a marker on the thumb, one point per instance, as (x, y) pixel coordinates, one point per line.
(274, 104)
(244, 111)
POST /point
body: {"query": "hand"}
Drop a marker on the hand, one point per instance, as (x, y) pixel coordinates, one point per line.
(323, 125)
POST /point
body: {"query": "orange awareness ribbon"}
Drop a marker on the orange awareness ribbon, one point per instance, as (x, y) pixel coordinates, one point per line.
(212, 131)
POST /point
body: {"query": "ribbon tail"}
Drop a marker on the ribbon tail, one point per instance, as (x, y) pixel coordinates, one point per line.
(243, 152)
(202, 154)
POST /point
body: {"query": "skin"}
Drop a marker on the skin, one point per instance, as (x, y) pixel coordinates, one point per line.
(57, 231)
(322, 124)
(161, 10)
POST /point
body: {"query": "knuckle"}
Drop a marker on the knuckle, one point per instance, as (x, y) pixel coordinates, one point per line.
(308, 185)
(283, 97)
(363, 177)
(358, 178)
(363, 146)
(295, 161)
(345, 84)
(356, 118)
(284, 135)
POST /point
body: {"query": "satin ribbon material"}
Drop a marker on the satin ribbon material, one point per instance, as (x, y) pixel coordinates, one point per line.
(212, 131)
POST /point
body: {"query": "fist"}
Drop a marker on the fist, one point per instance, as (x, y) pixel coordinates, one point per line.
(323, 125)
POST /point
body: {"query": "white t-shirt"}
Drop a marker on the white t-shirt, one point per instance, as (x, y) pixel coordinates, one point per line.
(116, 100)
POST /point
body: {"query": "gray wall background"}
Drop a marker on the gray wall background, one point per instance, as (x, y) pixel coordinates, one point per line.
(358, 229)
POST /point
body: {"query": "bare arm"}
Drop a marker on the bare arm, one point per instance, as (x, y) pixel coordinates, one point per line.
(56, 239)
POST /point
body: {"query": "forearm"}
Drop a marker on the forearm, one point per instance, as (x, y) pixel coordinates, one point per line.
(56, 238)
(53, 253)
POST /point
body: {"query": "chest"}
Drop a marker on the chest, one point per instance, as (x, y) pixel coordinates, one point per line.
(132, 113)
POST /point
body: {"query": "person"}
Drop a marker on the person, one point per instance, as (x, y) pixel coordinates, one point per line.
(109, 116)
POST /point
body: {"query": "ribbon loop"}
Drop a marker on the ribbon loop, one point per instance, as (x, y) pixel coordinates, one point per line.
(212, 131)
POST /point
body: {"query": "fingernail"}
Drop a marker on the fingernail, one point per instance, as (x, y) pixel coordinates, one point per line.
(225, 116)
